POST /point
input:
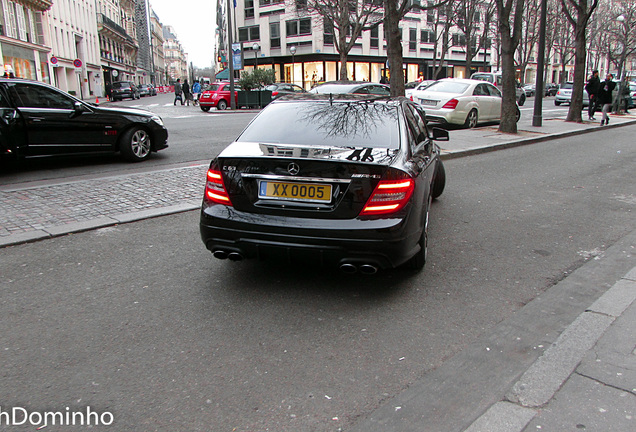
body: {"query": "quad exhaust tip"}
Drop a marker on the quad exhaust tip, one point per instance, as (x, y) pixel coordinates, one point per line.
(367, 269)
(232, 256)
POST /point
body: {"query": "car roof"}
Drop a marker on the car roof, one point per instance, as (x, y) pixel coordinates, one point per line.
(465, 81)
(340, 97)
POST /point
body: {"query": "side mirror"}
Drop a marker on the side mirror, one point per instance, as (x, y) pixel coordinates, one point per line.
(78, 109)
(440, 135)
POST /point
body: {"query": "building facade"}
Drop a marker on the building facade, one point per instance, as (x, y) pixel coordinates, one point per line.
(74, 60)
(175, 56)
(158, 57)
(298, 45)
(24, 46)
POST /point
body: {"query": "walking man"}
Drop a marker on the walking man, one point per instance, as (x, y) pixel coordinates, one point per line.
(605, 97)
(592, 87)
(178, 91)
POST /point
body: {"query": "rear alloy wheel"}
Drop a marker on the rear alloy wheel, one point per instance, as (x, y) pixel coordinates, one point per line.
(205, 108)
(471, 119)
(419, 259)
(222, 105)
(518, 115)
(135, 145)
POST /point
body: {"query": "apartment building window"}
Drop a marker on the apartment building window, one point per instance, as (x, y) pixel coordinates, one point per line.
(412, 39)
(459, 39)
(252, 33)
(427, 36)
(249, 8)
(298, 27)
(269, 2)
(328, 37)
(9, 27)
(301, 4)
(274, 35)
(375, 37)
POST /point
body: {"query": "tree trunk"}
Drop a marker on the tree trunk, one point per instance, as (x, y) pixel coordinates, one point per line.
(576, 104)
(394, 47)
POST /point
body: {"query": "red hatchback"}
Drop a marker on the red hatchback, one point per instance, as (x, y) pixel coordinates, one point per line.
(217, 95)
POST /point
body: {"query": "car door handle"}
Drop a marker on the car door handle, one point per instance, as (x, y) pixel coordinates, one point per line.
(37, 119)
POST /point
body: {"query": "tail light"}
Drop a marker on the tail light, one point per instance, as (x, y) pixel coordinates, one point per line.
(215, 189)
(390, 195)
(451, 104)
(274, 93)
(412, 98)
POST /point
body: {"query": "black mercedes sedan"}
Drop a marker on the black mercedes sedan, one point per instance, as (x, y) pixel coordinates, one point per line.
(38, 120)
(333, 180)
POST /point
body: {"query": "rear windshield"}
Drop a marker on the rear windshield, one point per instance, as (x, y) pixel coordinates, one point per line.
(483, 77)
(346, 124)
(121, 84)
(566, 86)
(333, 88)
(448, 87)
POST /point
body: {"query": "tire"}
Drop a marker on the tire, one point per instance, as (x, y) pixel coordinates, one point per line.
(222, 105)
(439, 180)
(205, 108)
(557, 103)
(135, 145)
(419, 259)
(471, 119)
(522, 100)
(518, 116)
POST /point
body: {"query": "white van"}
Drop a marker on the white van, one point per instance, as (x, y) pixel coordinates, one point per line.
(495, 79)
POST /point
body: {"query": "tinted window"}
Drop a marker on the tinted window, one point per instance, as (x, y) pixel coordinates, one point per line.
(349, 124)
(34, 96)
(566, 86)
(494, 91)
(448, 87)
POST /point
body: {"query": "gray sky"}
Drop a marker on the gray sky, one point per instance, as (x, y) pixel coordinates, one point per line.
(194, 22)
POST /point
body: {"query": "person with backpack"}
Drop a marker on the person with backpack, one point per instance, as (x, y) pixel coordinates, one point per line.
(196, 91)
(178, 91)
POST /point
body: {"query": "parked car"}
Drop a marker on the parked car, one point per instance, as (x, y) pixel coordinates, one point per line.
(464, 102)
(564, 95)
(217, 95)
(412, 93)
(530, 89)
(495, 79)
(124, 89)
(357, 87)
(147, 90)
(551, 89)
(283, 89)
(41, 120)
(343, 180)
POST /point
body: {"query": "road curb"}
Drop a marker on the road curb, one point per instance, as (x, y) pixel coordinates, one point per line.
(531, 140)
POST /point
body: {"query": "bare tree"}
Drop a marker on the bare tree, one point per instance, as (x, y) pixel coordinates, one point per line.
(578, 13)
(529, 37)
(510, 30)
(467, 16)
(563, 49)
(622, 38)
(394, 11)
(441, 44)
(347, 19)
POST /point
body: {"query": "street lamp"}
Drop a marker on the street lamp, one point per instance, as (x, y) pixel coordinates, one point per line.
(292, 49)
(255, 47)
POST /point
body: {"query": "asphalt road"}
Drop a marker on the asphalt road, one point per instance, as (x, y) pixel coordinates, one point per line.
(194, 137)
(140, 320)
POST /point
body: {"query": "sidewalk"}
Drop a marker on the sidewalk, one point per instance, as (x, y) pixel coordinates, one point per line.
(523, 376)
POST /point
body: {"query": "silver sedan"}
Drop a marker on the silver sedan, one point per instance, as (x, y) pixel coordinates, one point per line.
(464, 102)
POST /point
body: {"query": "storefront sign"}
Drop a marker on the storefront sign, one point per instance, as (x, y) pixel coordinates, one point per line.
(237, 60)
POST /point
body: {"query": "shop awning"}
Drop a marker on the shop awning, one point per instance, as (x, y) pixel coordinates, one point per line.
(224, 75)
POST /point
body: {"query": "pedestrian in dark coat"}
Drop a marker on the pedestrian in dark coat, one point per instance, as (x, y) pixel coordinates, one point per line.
(186, 92)
(592, 87)
(605, 97)
(178, 91)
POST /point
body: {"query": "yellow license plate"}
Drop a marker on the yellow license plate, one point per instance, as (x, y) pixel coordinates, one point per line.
(295, 191)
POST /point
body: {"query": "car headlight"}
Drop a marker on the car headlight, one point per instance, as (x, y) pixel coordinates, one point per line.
(157, 120)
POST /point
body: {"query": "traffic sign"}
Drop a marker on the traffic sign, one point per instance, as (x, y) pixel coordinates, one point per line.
(53, 60)
(77, 63)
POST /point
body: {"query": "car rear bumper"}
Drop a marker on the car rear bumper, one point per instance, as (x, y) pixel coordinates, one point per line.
(382, 243)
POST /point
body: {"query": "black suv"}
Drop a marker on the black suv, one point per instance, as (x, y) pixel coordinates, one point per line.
(37, 119)
(124, 89)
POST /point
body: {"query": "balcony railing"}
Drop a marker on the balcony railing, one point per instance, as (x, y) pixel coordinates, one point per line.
(113, 26)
